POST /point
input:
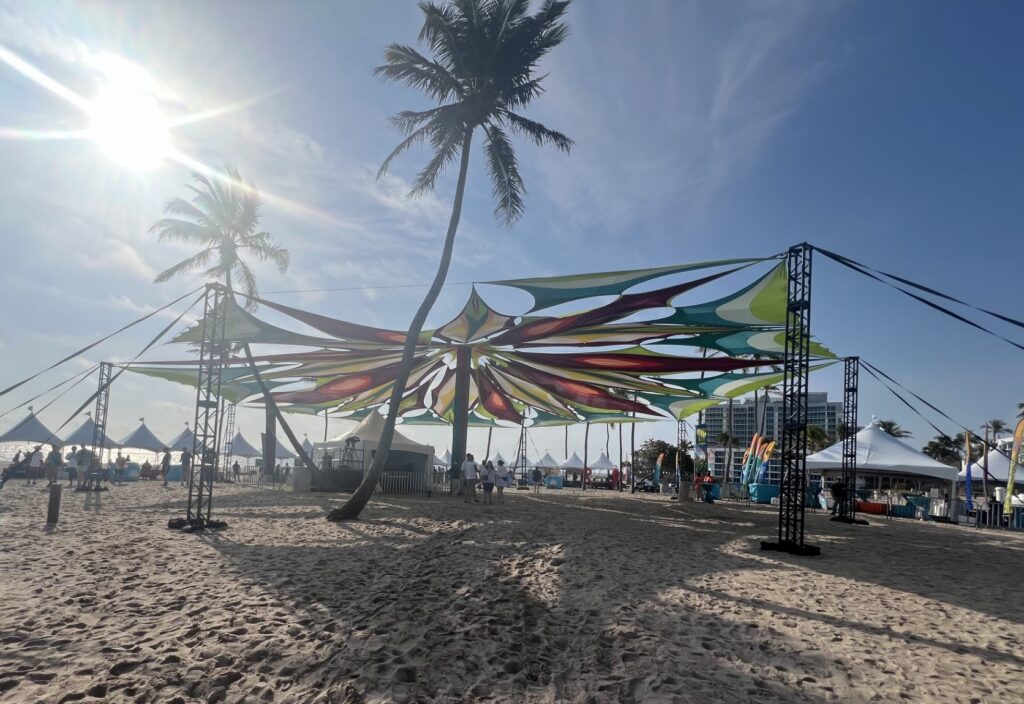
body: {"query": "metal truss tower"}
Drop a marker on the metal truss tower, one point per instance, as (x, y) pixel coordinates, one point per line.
(212, 351)
(519, 471)
(848, 504)
(796, 370)
(226, 442)
(94, 475)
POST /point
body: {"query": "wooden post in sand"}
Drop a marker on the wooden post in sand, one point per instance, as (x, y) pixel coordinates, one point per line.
(53, 507)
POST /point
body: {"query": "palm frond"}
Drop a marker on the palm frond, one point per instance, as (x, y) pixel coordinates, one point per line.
(177, 206)
(178, 230)
(506, 183)
(406, 65)
(407, 121)
(444, 29)
(414, 138)
(446, 139)
(261, 246)
(193, 263)
(248, 281)
(536, 131)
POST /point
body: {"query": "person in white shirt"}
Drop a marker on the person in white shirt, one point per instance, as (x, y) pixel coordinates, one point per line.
(487, 478)
(72, 461)
(502, 472)
(35, 464)
(469, 472)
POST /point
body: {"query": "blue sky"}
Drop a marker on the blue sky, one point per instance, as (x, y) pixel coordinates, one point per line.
(889, 132)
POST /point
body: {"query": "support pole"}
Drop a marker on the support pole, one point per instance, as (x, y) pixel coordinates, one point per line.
(460, 428)
(796, 370)
(487, 453)
(619, 487)
(325, 425)
(212, 352)
(586, 443)
(94, 475)
(848, 506)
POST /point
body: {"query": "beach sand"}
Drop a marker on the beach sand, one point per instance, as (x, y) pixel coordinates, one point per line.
(562, 598)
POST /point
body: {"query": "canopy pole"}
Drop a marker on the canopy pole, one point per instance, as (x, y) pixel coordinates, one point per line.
(984, 467)
(460, 426)
(325, 425)
(796, 370)
(487, 454)
(586, 443)
(620, 458)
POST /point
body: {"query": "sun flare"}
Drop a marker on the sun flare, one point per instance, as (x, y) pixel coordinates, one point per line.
(127, 125)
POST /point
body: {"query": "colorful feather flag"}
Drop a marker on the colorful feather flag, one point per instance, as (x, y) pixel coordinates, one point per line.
(1018, 436)
(968, 490)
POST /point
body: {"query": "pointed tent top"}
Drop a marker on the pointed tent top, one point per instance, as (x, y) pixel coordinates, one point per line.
(497, 458)
(143, 439)
(573, 462)
(438, 462)
(998, 468)
(602, 462)
(879, 451)
(529, 462)
(282, 451)
(476, 321)
(84, 435)
(446, 458)
(307, 445)
(30, 429)
(240, 447)
(185, 440)
(547, 461)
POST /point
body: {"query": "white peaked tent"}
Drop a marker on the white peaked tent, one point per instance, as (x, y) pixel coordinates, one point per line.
(240, 447)
(403, 450)
(446, 458)
(998, 469)
(548, 462)
(529, 462)
(880, 453)
(573, 462)
(186, 439)
(143, 438)
(30, 429)
(282, 451)
(84, 434)
(603, 462)
(497, 458)
(307, 445)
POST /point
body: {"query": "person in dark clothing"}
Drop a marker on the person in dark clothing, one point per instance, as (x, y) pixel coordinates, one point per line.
(838, 496)
(165, 465)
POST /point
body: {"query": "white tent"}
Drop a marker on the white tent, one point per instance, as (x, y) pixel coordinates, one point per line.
(185, 440)
(528, 463)
(240, 447)
(998, 469)
(547, 462)
(403, 450)
(143, 439)
(880, 453)
(497, 458)
(602, 462)
(282, 451)
(438, 462)
(573, 462)
(84, 435)
(307, 445)
(30, 429)
(446, 458)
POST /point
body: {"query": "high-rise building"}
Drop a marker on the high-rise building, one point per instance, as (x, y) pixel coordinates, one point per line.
(763, 416)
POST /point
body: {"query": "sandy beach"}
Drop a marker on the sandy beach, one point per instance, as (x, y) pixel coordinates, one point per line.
(562, 598)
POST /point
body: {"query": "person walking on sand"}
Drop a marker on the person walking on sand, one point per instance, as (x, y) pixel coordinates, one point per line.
(53, 465)
(236, 470)
(536, 481)
(165, 465)
(488, 477)
(35, 464)
(82, 459)
(72, 460)
(469, 472)
(502, 482)
(186, 464)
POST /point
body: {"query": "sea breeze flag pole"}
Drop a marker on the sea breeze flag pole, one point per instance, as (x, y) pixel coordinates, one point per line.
(1018, 436)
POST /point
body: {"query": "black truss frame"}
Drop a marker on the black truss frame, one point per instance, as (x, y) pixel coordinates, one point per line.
(796, 372)
(212, 351)
(94, 473)
(227, 442)
(847, 506)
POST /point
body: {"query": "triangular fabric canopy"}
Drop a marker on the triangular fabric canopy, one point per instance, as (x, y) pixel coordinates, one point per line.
(307, 445)
(547, 461)
(29, 429)
(185, 439)
(143, 439)
(602, 462)
(496, 457)
(881, 452)
(998, 469)
(240, 447)
(573, 462)
(84, 434)
(282, 451)
(446, 458)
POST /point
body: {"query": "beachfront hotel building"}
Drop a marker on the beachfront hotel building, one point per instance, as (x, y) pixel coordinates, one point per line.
(747, 418)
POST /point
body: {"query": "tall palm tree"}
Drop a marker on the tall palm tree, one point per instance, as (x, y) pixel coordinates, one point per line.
(482, 72)
(818, 438)
(945, 449)
(223, 220)
(893, 428)
(996, 427)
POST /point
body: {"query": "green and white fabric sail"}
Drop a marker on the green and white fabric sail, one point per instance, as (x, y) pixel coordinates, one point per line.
(761, 304)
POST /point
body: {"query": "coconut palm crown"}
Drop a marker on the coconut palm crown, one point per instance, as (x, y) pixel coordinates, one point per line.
(222, 219)
(485, 53)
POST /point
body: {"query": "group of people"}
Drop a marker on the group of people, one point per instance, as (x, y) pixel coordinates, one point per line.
(487, 475)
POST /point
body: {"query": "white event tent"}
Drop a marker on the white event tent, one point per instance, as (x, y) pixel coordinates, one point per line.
(880, 455)
(142, 438)
(572, 462)
(603, 462)
(240, 447)
(84, 435)
(186, 439)
(548, 462)
(30, 429)
(998, 469)
(403, 450)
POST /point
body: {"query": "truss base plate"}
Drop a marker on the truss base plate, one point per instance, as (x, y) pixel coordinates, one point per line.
(195, 525)
(851, 521)
(792, 548)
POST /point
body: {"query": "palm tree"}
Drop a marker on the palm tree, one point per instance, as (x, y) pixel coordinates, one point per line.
(485, 55)
(893, 428)
(223, 220)
(1020, 410)
(996, 427)
(945, 449)
(818, 438)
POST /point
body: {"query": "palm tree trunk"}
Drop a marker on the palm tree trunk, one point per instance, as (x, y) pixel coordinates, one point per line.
(357, 502)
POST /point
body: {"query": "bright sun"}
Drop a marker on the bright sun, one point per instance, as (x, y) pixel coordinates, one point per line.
(126, 123)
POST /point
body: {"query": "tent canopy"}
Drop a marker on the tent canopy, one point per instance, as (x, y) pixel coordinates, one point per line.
(880, 452)
(30, 429)
(240, 447)
(602, 462)
(572, 462)
(446, 458)
(547, 461)
(186, 439)
(998, 469)
(143, 439)
(370, 429)
(282, 451)
(84, 434)
(307, 445)
(497, 458)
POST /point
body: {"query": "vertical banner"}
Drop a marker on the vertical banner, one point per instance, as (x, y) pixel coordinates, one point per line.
(968, 490)
(1018, 436)
(657, 468)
